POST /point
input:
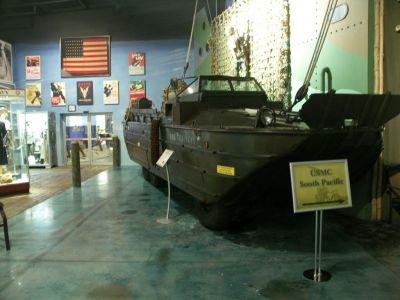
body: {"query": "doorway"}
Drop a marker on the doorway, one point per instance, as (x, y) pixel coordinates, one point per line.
(93, 132)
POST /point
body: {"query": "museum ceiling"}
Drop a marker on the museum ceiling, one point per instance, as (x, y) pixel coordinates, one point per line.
(160, 16)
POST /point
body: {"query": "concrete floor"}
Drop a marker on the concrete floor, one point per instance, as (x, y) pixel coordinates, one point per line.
(102, 241)
(45, 183)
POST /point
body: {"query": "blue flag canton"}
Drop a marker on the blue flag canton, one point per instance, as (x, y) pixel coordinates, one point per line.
(73, 48)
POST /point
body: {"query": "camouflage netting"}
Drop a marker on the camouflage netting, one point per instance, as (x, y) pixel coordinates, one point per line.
(252, 38)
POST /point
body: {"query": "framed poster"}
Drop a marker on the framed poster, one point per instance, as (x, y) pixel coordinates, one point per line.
(110, 92)
(33, 94)
(6, 75)
(137, 89)
(85, 56)
(32, 67)
(84, 92)
(136, 63)
(57, 97)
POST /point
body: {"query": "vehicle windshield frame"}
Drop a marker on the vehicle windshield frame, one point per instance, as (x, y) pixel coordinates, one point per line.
(229, 85)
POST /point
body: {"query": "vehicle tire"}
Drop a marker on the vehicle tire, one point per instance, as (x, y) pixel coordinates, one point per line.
(214, 216)
(145, 174)
(156, 180)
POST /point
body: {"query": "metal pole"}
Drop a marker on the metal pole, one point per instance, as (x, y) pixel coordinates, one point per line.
(316, 245)
(166, 220)
(76, 165)
(317, 274)
(320, 246)
(116, 152)
(169, 190)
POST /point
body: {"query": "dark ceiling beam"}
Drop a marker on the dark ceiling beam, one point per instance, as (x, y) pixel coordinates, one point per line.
(40, 3)
(16, 23)
(82, 3)
(63, 10)
(32, 12)
(119, 5)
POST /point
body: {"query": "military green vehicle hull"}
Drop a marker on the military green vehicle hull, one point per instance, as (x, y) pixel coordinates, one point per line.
(230, 147)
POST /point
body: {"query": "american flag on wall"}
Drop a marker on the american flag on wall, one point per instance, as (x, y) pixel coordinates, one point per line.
(89, 56)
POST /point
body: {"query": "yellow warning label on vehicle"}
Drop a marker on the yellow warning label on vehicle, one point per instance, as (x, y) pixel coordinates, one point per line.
(225, 170)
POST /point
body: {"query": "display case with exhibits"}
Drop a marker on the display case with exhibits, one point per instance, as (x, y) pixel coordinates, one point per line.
(41, 139)
(14, 173)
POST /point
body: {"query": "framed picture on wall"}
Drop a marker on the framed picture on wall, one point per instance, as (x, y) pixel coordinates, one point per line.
(110, 92)
(136, 63)
(57, 97)
(85, 56)
(32, 67)
(137, 89)
(72, 108)
(84, 91)
(33, 94)
(6, 74)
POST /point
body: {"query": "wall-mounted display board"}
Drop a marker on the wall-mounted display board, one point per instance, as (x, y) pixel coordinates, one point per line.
(33, 94)
(84, 90)
(136, 62)
(137, 89)
(85, 56)
(110, 92)
(32, 67)
(57, 97)
(6, 74)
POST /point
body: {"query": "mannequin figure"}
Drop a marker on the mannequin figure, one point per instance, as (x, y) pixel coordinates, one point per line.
(4, 141)
(30, 139)
(3, 144)
(44, 150)
(4, 117)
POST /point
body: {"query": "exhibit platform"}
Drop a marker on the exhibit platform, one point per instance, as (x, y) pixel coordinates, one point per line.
(103, 241)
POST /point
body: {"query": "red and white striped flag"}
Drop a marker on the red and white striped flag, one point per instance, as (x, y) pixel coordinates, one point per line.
(85, 56)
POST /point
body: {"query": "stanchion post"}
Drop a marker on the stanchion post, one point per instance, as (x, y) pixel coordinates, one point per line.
(163, 162)
(116, 152)
(316, 245)
(169, 191)
(76, 165)
(320, 246)
(309, 197)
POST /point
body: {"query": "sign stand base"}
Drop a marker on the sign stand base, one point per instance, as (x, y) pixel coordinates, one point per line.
(323, 276)
(165, 221)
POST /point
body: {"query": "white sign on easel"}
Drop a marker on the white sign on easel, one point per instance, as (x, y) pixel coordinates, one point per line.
(164, 158)
(161, 162)
(317, 186)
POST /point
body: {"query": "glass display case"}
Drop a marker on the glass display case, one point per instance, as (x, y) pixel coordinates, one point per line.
(14, 173)
(41, 139)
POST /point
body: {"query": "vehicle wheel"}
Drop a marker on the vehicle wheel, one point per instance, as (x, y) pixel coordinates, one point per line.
(215, 216)
(145, 174)
(156, 181)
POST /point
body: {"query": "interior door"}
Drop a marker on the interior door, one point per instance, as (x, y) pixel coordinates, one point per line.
(101, 139)
(93, 132)
(76, 129)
